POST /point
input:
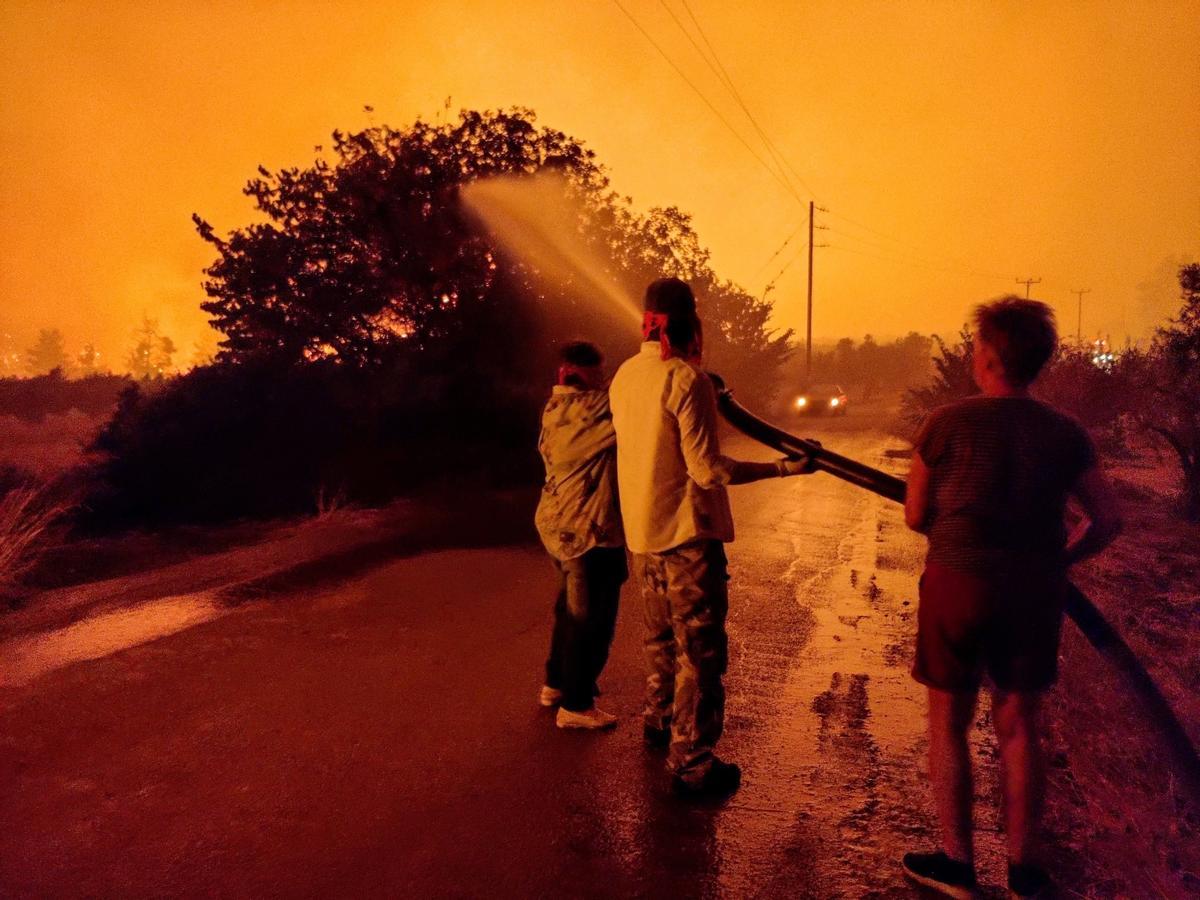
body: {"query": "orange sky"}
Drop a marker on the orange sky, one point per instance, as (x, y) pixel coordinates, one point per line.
(1059, 140)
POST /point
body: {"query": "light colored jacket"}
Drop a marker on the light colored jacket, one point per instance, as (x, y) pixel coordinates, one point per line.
(670, 469)
(578, 509)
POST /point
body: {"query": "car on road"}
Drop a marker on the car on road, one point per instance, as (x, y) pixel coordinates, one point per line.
(821, 399)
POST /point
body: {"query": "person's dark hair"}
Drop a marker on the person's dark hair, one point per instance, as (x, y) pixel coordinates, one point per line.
(1022, 332)
(674, 299)
(582, 354)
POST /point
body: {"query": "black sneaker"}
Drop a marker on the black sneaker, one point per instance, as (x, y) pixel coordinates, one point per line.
(942, 874)
(720, 780)
(1027, 881)
(656, 738)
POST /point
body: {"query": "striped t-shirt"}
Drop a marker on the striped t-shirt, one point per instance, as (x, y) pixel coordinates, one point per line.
(1000, 472)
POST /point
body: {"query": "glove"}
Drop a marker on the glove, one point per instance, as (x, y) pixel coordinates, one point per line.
(789, 466)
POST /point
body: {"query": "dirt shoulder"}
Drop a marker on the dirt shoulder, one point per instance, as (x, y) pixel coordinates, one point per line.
(1111, 770)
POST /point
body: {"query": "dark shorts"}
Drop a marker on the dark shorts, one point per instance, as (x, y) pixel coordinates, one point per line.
(969, 626)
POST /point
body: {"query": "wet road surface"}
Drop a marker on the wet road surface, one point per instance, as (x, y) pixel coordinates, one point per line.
(380, 736)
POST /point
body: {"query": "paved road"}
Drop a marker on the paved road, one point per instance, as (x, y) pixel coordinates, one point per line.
(379, 736)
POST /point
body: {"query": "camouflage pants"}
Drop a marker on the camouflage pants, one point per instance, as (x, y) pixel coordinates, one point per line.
(685, 599)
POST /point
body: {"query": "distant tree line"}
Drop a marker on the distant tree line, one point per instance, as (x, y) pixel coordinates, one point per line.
(150, 356)
(868, 367)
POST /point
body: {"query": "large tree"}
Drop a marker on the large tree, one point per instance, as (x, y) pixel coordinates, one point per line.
(370, 252)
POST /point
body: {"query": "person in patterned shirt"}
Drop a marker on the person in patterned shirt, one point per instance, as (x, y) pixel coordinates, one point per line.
(989, 484)
(579, 521)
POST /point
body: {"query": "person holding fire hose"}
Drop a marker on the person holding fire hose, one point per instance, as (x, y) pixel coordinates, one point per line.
(989, 484)
(579, 522)
(672, 479)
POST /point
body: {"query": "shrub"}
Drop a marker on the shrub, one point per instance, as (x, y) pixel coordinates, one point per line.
(952, 380)
(32, 399)
(1104, 400)
(262, 438)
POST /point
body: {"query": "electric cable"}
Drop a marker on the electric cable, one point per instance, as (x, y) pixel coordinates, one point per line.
(737, 96)
(718, 69)
(638, 25)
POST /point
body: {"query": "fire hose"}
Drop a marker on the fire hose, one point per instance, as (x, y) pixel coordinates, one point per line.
(1098, 631)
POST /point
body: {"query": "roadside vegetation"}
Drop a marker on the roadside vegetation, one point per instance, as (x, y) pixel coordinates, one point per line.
(377, 337)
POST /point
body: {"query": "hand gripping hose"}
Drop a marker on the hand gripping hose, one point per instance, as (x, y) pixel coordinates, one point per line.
(1082, 611)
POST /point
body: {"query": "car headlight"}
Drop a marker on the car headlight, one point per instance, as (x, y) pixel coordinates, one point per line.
(833, 401)
(801, 402)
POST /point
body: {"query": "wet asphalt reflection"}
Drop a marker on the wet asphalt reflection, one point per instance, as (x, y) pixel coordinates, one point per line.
(379, 735)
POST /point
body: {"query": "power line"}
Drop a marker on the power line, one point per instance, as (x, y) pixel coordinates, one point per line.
(917, 262)
(791, 237)
(787, 265)
(726, 79)
(787, 163)
(699, 93)
(956, 262)
(856, 237)
(723, 75)
(784, 166)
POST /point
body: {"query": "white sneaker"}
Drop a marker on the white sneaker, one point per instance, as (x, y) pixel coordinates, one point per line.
(549, 696)
(593, 718)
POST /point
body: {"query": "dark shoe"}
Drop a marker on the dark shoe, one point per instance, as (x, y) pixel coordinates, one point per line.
(939, 872)
(656, 738)
(1027, 881)
(720, 780)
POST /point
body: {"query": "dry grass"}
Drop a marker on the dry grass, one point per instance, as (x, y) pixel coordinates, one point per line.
(27, 515)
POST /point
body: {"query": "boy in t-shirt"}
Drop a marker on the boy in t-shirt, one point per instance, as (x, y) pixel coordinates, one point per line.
(579, 521)
(989, 484)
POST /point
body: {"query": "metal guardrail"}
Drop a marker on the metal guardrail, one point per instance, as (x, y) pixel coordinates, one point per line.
(1082, 611)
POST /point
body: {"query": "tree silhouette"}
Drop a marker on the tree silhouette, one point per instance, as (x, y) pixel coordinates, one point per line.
(952, 379)
(47, 353)
(150, 356)
(88, 360)
(370, 253)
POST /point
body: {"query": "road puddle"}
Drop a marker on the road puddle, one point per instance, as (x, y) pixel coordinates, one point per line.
(27, 658)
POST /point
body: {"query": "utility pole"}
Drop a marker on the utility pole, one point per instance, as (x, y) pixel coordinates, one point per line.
(1079, 316)
(1027, 282)
(808, 336)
